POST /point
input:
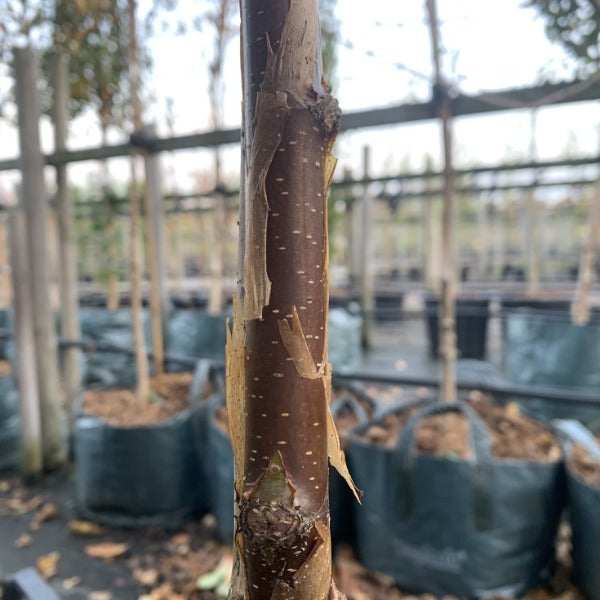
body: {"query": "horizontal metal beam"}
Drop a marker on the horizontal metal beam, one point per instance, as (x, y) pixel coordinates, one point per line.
(508, 390)
(461, 105)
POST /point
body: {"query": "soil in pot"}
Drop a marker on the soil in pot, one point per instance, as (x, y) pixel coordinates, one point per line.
(584, 465)
(138, 460)
(583, 478)
(513, 435)
(5, 368)
(121, 408)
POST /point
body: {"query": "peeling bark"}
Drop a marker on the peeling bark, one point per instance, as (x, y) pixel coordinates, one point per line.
(278, 377)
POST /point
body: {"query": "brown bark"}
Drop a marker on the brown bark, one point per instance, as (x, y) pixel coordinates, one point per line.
(278, 376)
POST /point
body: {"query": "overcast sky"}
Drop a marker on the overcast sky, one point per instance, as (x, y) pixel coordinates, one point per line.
(384, 58)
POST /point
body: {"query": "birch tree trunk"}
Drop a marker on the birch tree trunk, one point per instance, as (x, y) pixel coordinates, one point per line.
(278, 378)
(36, 218)
(31, 426)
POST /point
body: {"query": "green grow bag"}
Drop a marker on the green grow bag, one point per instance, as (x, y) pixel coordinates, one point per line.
(584, 512)
(543, 347)
(480, 529)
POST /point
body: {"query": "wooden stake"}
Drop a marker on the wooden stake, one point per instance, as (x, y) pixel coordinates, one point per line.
(531, 233)
(5, 282)
(447, 319)
(69, 298)
(159, 297)
(367, 291)
(135, 253)
(36, 215)
(580, 309)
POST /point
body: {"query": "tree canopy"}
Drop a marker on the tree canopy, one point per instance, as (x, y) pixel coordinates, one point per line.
(575, 24)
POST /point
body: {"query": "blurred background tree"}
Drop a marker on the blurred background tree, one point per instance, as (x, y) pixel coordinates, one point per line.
(575, 24)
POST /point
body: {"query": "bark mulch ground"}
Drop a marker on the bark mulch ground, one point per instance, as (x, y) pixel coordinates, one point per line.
(121, 408)
(82, 561)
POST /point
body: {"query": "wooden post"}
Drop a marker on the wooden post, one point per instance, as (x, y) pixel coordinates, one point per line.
(135, 251)
(482, 236)
(431, 234)
(159, 297)
(580, 309)
(36, 214)
(366, 275)
(69, 299)
(531, 237)
(447, 318)
(5, 284)
(31, 427)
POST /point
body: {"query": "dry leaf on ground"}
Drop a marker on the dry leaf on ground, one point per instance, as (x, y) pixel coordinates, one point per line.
(23, 541)
(146, 577)
(100, 595)
(106, 550)
(88, 528)
(46, 513)
(71, 582)
(47, 565)
(164, 592)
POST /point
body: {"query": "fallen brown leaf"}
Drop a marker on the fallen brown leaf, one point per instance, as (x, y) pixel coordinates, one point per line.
(88, 528)
(23, 541)
(106, 550)
(71, 582)
(146, 577)
(100, 595)
(46, 513)
(164, 592)
(47, 565)
(4, 486)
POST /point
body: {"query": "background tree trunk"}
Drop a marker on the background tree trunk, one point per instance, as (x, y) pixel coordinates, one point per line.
(31, 426)
(278, 379)
(36, 219)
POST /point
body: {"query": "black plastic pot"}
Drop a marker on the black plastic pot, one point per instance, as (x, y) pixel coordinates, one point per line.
(542, 347)
(143, 475)
(471, 326)
(103, 326)
(193, 333)
(341, 498)
(388, 307)
(476, 528)
(10, 424)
